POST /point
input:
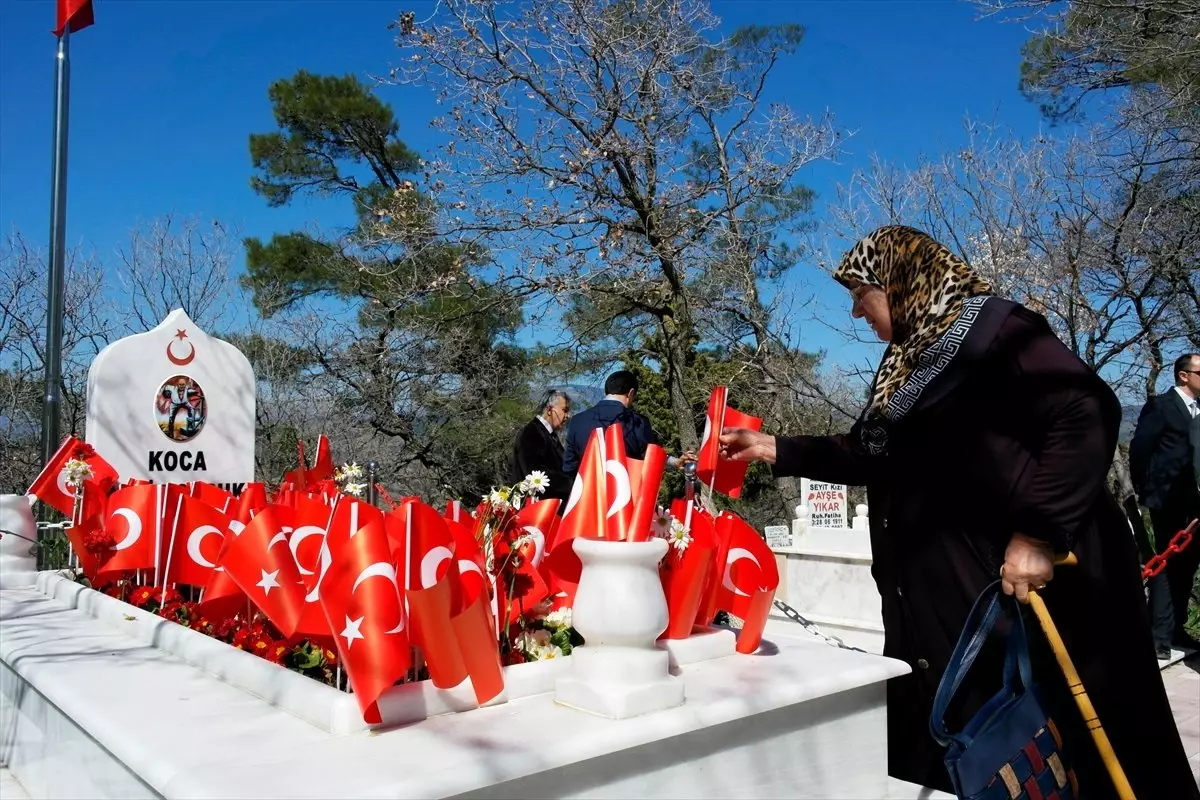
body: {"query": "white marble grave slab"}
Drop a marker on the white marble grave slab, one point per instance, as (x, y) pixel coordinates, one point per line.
(800, 719)
(173, 405)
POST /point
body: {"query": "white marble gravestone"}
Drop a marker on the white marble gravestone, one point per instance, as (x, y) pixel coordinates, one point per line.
(826, 503)
(173, 405)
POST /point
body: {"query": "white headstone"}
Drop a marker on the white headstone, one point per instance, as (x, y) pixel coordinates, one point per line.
(778, 536)
(173, 405)
(826, 503)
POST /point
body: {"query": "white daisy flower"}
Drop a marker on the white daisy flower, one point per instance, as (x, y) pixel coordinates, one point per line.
(77, 471)
(558, 618)
(356, 489)
(535, 482)
(498, 498)
(660, 525)
(680, 537)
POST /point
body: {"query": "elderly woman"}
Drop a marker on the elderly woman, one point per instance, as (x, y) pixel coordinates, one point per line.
(984, 449)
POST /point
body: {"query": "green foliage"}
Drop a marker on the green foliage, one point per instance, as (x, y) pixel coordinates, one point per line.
(325, 121)
(1101, 46)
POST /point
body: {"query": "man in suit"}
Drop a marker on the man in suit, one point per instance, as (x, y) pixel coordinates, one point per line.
(537, 446)
(620, 391)
(1162, 461)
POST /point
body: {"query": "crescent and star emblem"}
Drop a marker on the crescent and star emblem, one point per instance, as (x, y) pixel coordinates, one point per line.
(621, 477)
(134, 523)
(270, 580)
(194, 541)
(736, 555)
(539, 544)
(180, 334)
(430, 563)
(380, 569)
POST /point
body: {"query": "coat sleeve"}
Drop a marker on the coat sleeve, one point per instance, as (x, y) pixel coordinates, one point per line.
(1074, 417)
(1149, 430)
(836, 459)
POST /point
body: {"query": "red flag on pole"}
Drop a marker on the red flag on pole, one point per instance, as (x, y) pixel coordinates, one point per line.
(76, 13)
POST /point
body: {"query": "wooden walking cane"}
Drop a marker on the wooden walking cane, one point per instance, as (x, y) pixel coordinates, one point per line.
(1120, 782)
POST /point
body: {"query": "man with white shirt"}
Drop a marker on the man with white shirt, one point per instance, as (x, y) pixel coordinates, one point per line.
(1162, 463)
(537, 446)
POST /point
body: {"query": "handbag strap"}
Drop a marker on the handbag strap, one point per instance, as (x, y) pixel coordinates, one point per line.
(1018, 672)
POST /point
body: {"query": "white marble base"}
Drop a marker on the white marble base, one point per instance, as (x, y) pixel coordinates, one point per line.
(10, 788)
(643, 683)
(826, 576)
(87, 710)
(18, 532)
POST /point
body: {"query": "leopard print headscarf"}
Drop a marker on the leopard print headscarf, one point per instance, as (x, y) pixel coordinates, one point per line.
(926, 285)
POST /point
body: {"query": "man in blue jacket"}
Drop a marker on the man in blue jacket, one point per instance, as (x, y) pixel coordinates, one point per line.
(620, 389)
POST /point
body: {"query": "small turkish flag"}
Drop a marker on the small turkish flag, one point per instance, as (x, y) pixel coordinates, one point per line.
(618, 489)
(586, 512)
(51, 487)
(721, 474)
(133, 519)
(197, 541)
(76, 13)
(684, 573)
(748, 578)
(261, 564)
(365, 611)
(214, 496)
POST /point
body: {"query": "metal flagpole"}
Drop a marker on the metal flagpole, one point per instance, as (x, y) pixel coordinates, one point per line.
(58, 229)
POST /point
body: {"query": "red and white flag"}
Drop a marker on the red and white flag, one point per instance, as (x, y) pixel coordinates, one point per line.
(721, 474)
(260, 562)
(748, 577)
(365, 610)
(196, 542)
(133, 521)
(51, 487)
(586, 513)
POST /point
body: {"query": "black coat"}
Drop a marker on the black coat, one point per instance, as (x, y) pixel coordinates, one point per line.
(1161, 457)
(1019, 437)
(537, 448)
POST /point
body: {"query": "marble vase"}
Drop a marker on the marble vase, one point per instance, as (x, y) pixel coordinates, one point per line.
(18, 532)
(620, 611)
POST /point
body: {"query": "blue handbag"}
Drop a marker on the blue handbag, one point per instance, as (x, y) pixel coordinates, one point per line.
(1010, 749)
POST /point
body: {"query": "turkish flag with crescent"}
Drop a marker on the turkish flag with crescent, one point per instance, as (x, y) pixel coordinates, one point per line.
(618, 488)
(309, 543)
(721, 474)
(132, 520)
(51, 487)
(685, 573)
(423, 549)
(76, 13)
(261, 564)
(586, 512)
(252, 499)
(215, 496)
(222, 597)
(196, 542)
(749, 578)
(364, 607)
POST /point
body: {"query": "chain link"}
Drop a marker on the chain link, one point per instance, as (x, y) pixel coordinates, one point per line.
(1178, 542)
(812, 628)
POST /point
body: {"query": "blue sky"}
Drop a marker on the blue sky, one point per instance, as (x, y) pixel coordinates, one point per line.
(164, 94)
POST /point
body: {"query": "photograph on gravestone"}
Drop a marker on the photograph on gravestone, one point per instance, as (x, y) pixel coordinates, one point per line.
(826, 503)
(173, 405)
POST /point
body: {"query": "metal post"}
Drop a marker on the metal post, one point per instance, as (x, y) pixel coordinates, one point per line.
(690, 481)
(372, 492)
(52, 401)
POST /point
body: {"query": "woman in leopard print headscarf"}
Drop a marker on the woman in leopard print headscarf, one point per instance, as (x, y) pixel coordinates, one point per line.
(984, 448)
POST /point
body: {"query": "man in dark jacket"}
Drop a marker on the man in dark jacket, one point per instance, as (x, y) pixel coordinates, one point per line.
(537, 446)
(1162, 463)
(620, 390)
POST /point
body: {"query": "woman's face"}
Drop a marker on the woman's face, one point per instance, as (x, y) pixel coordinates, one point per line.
(871, 304)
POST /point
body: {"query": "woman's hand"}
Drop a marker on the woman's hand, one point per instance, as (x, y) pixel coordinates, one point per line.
(1028, 564)
(743, 444)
